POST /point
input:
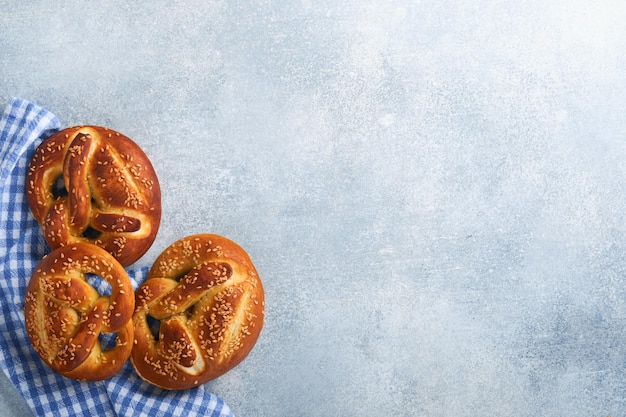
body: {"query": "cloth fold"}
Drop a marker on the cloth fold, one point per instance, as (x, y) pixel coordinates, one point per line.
(22, 127)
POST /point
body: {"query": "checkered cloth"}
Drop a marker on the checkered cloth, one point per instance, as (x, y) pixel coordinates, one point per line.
(22, 127)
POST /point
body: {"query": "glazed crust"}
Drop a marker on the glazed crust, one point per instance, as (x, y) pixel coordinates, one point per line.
(109, 194)
(209, 300)
(64, 314)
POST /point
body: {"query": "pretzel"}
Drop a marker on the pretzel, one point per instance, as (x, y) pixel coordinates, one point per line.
(65, 315)
(208, 300)
(92, 184)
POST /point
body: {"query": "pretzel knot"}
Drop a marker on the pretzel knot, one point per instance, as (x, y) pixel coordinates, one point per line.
(65, 316)
(208, 301)
(95, 185)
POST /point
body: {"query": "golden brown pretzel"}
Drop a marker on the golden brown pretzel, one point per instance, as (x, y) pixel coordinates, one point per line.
(65, 315)
(109, 194)
(209, 300)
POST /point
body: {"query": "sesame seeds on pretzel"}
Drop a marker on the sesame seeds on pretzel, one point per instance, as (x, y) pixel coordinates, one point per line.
(65, 316)
(208, 299)
(92, 184)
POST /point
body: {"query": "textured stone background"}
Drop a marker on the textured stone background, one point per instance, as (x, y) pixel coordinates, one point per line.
(432, 191)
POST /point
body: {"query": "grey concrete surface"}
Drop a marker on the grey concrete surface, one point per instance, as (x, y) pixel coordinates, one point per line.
(432, 191)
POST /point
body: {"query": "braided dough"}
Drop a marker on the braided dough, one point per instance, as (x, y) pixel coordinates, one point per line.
(65, 315)
(208, 298)
(92, 184)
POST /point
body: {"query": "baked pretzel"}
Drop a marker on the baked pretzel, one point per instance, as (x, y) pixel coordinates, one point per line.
(92, 184)
(206, 295)
(65, 315)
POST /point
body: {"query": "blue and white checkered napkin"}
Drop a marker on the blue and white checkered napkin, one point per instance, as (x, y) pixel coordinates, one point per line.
(22, 127)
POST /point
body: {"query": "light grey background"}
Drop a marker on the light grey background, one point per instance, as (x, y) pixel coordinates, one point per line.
(432, 191)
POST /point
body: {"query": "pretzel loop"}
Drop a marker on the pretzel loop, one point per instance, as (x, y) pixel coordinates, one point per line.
(75, 172)
(65, 315)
